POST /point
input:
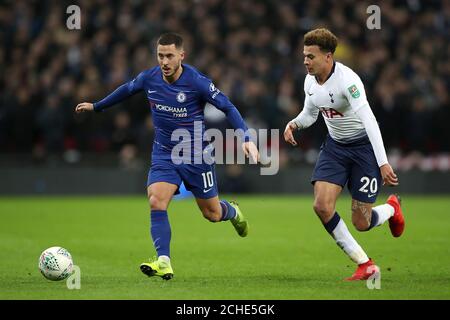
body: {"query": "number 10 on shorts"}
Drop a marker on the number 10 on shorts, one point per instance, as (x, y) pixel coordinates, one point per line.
(208, 181)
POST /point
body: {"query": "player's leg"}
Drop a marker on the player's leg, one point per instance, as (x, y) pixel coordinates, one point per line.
(366, 217)
(159, 196)
(163, 183)
(362, 217)
(210, 208)
(325, 196)
(216, 210)
(364, 185)
(330, 174)
(201, 180)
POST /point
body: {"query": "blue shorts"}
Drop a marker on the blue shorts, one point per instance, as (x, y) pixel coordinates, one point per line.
(353, 164)
(200, 179)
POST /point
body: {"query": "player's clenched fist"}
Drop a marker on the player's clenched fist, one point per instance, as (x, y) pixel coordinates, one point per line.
(85, 106)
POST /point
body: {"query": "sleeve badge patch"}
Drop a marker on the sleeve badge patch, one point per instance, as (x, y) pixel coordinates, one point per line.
(354, 91)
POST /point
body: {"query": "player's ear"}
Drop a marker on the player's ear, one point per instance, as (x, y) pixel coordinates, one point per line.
(182, 54)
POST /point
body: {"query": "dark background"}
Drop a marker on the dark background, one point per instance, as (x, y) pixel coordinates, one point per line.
(252, 51)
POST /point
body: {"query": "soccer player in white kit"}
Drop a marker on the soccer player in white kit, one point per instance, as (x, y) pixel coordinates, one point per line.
(353, 153)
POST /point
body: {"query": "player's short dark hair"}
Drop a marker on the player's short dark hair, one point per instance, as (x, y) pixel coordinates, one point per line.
(323, 38)
(171, 38)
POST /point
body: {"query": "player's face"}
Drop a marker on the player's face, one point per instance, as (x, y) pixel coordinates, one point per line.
(315, 60)
(169, 59)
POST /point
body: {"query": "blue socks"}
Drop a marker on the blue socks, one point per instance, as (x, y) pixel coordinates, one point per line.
(331, 225)
(160, 231)
(228, 212)
(374, 219)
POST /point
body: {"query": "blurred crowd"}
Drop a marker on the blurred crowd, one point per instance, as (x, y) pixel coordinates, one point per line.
(250, 48)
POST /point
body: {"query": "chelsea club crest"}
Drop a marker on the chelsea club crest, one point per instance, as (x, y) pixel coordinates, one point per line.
(181, 97)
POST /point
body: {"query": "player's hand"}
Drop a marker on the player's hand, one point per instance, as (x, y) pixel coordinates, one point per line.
(251, 150)
(288, 133)
(85, 106)
(388, 175)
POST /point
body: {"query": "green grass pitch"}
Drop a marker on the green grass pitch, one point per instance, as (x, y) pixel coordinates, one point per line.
(287, 255)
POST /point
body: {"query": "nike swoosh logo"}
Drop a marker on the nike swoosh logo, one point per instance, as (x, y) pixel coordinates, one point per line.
(370, 195)
(207, 190)
(151, 91)
(310, 94)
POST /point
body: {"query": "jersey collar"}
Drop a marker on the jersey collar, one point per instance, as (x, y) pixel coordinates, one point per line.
(330, 74)
(173, 83)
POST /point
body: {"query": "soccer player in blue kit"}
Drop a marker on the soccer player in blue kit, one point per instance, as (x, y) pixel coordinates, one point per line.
(177, 94)
(353, 153)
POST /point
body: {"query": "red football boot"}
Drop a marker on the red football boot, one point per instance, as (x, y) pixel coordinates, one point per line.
(364, 271)
(397, 221)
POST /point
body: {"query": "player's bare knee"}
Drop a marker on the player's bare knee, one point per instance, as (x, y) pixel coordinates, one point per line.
(323, 210)
(157, 203)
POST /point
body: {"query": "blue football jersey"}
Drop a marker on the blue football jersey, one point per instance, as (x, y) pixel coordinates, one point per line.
(177, 105)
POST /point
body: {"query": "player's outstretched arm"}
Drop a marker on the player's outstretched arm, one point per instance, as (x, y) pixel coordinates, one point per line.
(84, 106)
(121, 93)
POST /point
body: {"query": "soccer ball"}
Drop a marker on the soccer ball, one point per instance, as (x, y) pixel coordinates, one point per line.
(55, 263)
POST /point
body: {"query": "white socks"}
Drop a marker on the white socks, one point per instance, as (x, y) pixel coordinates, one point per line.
(164, 258)
(384, 212)
(337, 228)
(339, 231)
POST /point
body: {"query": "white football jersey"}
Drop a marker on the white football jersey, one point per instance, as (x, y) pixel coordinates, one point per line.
(338, 99)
